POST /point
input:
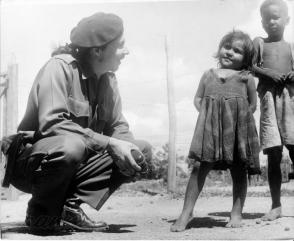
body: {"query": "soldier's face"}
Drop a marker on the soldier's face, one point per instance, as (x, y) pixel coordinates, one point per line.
(114, 53)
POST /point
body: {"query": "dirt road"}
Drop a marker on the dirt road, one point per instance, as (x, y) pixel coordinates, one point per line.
(149, 217)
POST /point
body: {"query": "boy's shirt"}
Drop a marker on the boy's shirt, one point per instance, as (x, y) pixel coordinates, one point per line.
(277, 56)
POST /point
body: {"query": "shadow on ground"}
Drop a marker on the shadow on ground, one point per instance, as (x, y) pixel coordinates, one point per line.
(210, 222)
(244, 215)
(21, 228)
(204, 222)
(117, 228)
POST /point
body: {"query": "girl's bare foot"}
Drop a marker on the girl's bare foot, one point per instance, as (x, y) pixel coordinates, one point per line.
(181, 223)
(235, 222)
(273, 214)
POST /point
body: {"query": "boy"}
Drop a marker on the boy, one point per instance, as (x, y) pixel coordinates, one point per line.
(274, 68)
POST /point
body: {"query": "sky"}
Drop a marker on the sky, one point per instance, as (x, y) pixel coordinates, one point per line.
(30, 30)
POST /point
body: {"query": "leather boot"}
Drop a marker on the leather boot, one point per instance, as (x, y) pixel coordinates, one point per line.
(74, 217)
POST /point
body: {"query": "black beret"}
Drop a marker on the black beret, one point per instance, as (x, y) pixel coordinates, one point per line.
(97, 30)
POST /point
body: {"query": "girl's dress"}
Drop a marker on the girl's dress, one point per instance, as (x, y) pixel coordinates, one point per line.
(225, 132)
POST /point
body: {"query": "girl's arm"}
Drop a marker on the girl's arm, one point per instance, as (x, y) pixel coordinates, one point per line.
(200, 92)
(197, 102)
(251, 93)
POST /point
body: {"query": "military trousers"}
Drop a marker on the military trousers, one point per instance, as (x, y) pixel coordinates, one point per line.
(58, 168)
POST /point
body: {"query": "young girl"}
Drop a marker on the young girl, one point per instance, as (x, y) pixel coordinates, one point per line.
(225, 134)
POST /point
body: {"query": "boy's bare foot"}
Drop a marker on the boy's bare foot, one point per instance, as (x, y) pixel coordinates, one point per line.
(181, 223)
(273, 214)
(235, 222)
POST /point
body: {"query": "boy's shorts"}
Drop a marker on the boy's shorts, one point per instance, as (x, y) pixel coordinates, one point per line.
(269, 130)
(276, 120)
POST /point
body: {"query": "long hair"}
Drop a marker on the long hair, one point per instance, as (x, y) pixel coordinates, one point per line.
(79, 53)
(247, 46)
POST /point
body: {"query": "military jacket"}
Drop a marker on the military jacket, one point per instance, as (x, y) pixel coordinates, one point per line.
(63, 101)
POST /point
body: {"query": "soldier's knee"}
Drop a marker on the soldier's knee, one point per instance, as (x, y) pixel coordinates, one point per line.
(67, 150)
(73, 150)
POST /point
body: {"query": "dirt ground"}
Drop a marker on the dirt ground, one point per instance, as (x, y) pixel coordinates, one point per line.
(145, 216)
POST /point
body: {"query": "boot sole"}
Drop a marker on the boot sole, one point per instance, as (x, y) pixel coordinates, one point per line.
(73, 226)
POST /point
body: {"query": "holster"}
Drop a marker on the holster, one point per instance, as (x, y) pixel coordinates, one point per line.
(12, 147)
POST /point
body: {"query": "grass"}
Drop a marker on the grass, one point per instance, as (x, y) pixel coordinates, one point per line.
(210, 189)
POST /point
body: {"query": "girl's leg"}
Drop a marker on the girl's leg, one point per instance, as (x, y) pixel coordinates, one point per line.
(193, 190)
(275, 181)
(239, 177)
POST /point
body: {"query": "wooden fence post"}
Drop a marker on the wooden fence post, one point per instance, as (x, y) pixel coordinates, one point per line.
(171, 175)
(9, 118)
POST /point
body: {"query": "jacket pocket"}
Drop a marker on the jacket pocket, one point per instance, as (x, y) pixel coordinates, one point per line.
(78, 108)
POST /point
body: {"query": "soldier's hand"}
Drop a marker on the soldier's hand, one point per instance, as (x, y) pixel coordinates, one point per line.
(121, 152)
(5, 143)
(28, 136)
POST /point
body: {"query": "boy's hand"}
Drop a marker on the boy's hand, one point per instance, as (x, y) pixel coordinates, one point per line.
(270, 75)
(290, 77)
(277, 77)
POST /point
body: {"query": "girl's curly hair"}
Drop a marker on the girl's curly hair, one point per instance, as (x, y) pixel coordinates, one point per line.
(247, 46)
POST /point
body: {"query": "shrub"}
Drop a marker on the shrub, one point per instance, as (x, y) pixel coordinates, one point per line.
(159, 165)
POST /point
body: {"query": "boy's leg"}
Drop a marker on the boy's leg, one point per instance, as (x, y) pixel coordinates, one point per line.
(239, 177)
(193, 190)
(291, 154)
(275, 181)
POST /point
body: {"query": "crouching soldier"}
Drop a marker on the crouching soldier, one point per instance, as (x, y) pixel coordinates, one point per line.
(73, 144)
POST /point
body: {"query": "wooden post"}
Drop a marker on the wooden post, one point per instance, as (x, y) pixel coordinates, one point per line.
(171, 176)
(10, 115)
(12, 100)
(3, 80)
(1, 109)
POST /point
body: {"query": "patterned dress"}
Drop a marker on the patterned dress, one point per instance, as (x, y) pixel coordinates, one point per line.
(225, 132)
